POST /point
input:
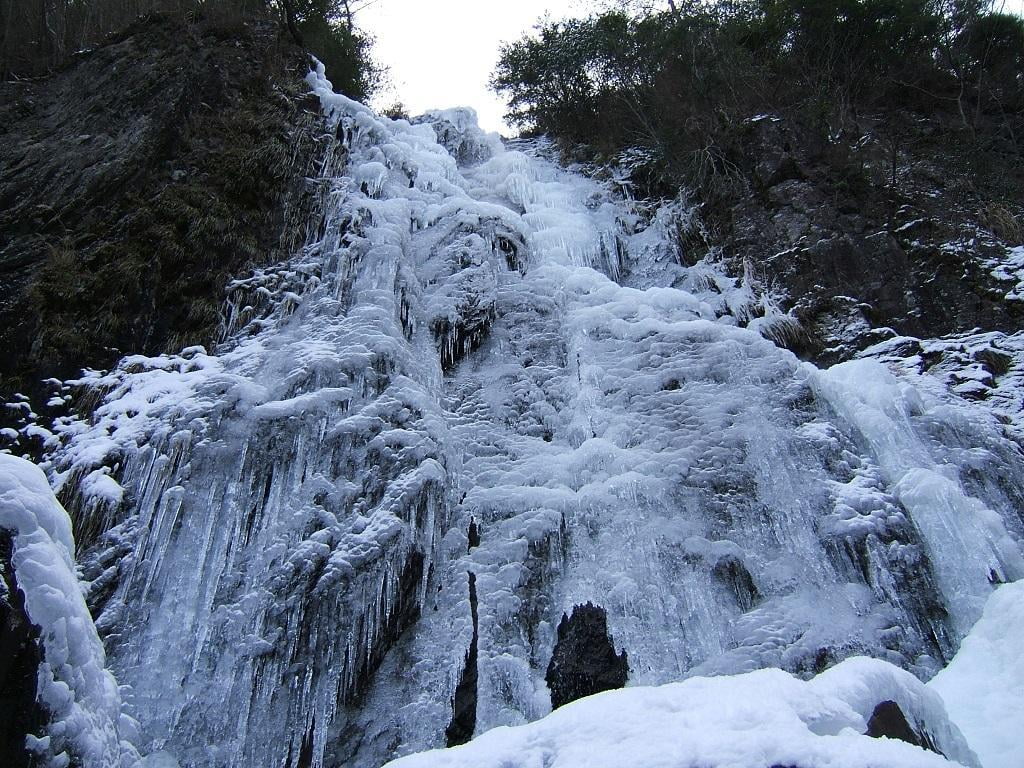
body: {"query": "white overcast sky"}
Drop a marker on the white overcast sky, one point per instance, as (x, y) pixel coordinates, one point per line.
(441, 52)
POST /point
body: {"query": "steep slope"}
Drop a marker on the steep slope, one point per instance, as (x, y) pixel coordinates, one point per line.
(483, 393)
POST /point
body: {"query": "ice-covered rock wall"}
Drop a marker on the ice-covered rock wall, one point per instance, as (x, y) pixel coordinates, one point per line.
(487, 391)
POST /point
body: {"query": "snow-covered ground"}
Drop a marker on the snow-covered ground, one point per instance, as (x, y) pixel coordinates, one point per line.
(771, 718)
(275, 533)
(755, 720)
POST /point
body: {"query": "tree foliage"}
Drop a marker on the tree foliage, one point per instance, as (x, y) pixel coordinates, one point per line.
(326, 28)
(680, 81)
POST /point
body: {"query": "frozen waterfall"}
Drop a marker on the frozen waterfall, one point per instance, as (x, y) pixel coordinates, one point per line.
(275, 534)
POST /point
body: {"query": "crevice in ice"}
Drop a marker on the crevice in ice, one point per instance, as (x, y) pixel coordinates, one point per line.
(463, 722)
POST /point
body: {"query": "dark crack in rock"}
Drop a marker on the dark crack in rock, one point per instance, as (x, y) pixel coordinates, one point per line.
(463, 723)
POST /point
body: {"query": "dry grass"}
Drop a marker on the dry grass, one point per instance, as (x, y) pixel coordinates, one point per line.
(1002, 222)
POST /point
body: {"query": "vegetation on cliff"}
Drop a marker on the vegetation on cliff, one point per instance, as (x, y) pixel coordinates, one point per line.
(136, 181)
(682, 82)
(142, 174)
(38, 36)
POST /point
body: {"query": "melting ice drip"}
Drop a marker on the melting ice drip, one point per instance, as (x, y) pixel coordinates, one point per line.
(509, 343)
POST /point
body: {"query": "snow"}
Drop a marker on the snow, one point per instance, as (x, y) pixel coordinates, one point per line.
(1011, 269)
(983, 686)
(75, 686)
(763, 718)
(985, 366)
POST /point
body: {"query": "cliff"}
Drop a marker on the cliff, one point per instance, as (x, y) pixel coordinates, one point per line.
(135, 182)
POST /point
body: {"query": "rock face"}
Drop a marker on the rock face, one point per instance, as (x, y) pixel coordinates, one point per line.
(584, 661)
(869, 237)
(136, 182)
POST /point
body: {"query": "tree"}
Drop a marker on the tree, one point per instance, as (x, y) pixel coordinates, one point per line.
(680, 81)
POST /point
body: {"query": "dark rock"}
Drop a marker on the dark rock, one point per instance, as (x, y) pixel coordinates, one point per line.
(460, 729)
(135, 182)
(732, 573)
(832, 229)
(20, 656)
(584, 661)
(787, 169)
(456, 340)
(888, 721)
(473, 534)
(995, 362)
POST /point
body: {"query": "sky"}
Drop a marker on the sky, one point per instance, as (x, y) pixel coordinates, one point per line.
(441, 52)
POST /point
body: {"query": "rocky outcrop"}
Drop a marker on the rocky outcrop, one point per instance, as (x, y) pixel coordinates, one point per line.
(875, 234)
(136, 181)
(584, 661)
(888, 721)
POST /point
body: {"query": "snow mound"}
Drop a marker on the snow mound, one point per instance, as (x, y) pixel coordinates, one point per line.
(983, 686)
(74, 684)
(754, 720)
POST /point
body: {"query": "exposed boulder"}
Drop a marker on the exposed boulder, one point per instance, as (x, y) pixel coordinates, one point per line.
(584, 661)
(888, 721)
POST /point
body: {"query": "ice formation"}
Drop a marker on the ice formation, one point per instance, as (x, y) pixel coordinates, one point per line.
(79, 694)
(486, 369)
